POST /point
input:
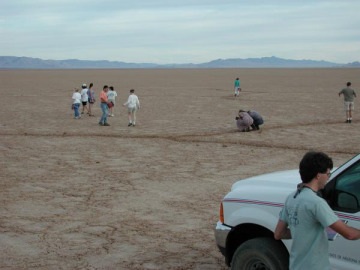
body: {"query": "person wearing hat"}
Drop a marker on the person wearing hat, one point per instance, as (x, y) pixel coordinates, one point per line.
(84, 98)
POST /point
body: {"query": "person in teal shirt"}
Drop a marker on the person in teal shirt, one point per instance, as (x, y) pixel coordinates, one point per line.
(237, 87)
(305, 216)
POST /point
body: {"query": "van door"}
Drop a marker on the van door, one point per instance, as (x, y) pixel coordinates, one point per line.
(345, 201)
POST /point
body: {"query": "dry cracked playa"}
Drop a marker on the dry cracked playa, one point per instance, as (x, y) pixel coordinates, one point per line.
(75, 195)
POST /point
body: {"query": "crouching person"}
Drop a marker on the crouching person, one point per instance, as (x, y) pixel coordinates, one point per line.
(258, 120)
(244, 121)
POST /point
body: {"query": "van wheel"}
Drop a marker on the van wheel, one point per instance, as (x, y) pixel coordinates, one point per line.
(260, 254)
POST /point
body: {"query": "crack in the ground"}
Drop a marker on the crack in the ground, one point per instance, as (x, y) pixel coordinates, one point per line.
(201, 137)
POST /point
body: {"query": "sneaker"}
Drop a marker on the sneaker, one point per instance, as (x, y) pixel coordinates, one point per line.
(350, 121)
(101, 123)
(112, 115)
(130, 124)
(106, 124)
(133, 124)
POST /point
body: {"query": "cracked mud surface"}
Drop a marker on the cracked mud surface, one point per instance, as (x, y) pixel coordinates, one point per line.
(75, 195)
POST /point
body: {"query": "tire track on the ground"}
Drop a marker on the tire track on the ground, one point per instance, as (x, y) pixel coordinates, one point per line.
(200, 137)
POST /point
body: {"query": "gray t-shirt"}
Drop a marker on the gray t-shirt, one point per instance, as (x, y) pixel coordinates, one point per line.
(348, 93)
(307, 216)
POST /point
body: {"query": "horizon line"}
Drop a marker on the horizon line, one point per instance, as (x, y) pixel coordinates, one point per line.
(187, 63)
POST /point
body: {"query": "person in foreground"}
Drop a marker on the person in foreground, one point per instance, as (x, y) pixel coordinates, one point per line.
(133, 105)
(305, 216)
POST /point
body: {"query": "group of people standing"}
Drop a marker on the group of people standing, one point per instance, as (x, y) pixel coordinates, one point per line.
(107, 102)
(86, 97)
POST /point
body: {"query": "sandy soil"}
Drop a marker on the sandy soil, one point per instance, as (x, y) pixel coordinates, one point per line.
(75, 195)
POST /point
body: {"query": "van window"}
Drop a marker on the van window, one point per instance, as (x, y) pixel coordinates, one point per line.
(348, 189)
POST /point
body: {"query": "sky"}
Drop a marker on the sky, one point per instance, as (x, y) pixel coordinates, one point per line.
(181, 31)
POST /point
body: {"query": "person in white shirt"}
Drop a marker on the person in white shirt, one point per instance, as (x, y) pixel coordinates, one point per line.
(111, 94)
(133, 105)
(76, 103)
(84, 98)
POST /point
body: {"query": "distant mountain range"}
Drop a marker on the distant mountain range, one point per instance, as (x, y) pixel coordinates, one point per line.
(12, 62)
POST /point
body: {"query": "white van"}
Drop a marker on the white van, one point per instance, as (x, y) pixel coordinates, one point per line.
(250, 211)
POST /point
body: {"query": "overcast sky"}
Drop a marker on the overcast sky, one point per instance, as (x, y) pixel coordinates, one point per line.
(181, 31)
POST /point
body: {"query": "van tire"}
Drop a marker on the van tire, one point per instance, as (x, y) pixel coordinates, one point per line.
(261, 254)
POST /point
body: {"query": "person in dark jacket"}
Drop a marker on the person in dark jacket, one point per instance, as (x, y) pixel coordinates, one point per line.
(258, 120)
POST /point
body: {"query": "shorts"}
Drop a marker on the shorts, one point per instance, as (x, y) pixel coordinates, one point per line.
(84, 103)
(132, 109)
(349, 105)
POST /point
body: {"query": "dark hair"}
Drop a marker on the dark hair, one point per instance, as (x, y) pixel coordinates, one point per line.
(348, 83)
(105, 86)
(132, 90)
(313, 163)
(91, 85)
(111, 88)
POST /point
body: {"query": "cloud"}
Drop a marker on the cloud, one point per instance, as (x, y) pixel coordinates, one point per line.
(180, 31)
